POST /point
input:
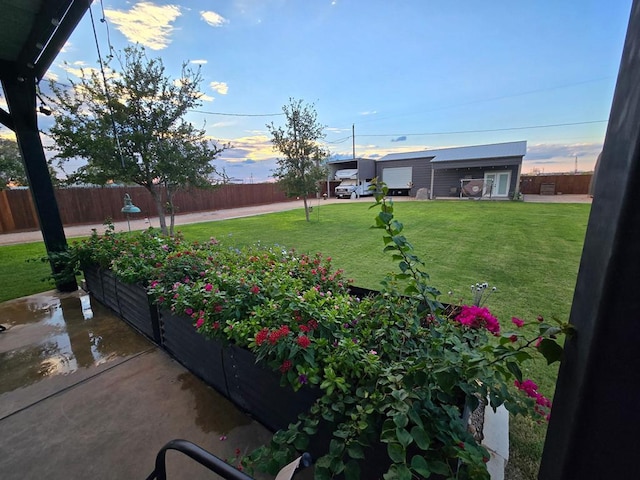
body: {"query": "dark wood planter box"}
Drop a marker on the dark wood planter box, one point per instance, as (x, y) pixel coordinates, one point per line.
(137, 310)
(93, 281)
(129, 302)
(256, 389)
(202, 356)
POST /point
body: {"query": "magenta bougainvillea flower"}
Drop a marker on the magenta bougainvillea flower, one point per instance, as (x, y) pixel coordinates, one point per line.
(478, 317)
(517, 322)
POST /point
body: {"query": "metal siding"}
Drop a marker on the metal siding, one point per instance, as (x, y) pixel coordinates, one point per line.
(367, 168)
(446, 179)
(421, 175)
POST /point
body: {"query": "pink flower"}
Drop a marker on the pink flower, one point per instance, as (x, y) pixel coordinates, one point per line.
(208, 287)
(517, 322)
(255, 290)
(543, 404)
(200, 322)
(513, 338)
(188, 311)
(478, 317)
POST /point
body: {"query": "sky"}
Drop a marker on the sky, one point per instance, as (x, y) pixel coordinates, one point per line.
(404, 75)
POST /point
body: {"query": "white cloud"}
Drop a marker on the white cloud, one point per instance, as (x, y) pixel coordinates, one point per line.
(371, 112)
(146, 23)
(199, 62)
(221, 87)
(256, 147)
(78, 69)
(51, 76)
(206, 98)
(214, 19)
(223, 124)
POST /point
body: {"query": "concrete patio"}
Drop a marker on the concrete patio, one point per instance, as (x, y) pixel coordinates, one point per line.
(82, 395)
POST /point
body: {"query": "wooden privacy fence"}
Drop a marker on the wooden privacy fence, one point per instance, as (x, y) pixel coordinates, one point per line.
(556, 184)
(94, 205)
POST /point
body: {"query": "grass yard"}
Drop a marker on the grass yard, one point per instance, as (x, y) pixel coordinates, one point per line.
(530, 251)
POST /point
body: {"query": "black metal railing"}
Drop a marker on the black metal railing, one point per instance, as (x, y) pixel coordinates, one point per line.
(207, 460)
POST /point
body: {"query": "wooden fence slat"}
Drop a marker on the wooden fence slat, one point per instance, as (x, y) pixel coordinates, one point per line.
(96, 204)
(565, 184)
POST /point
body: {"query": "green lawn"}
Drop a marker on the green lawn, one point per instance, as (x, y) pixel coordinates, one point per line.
(530, 251)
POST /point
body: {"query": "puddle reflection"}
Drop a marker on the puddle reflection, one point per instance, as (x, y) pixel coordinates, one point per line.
(57, 334)
(214, 413)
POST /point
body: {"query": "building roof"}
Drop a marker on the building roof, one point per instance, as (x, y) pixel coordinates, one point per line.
(475, 152)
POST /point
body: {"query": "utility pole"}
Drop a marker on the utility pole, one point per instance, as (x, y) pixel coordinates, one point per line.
(576, 164)
(353, 139)
(353, 142)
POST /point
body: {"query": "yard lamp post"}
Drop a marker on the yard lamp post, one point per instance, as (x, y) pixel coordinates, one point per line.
(128, 208)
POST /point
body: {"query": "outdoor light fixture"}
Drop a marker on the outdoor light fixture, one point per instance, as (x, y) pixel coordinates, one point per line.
(43, 107)
(128, 208)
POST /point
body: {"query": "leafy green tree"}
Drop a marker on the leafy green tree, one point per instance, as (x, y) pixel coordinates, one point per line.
(11, 166)
(128, 124)
(302, 167)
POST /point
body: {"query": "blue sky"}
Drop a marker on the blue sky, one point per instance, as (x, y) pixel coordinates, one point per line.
(409, 74)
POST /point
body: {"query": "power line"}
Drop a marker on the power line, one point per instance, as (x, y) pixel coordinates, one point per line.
(106, 89)
(238, 114)
(340, 140)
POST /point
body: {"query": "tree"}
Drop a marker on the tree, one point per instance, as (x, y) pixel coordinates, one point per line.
(129, 127)
(302, 167)
(11, 166)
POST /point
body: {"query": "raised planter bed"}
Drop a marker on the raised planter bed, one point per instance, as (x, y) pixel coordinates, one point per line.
(202, 356)
(256, 389)
(130, 302)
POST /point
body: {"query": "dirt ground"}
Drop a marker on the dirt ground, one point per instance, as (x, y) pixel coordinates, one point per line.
(142, 222)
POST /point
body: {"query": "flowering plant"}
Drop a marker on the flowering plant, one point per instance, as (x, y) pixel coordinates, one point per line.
(132, 256)
(396, 372)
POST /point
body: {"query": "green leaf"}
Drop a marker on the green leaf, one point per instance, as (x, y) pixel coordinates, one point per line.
(399, 394)
(404, 437)
(401, 472)
(336, 447)
(396, 452)
(401, 420)
(439, 467)
(415, 416)
(419, 464)
(421, 437)
(515, 370)
(355, 451)
(551, 351)
(352, 470)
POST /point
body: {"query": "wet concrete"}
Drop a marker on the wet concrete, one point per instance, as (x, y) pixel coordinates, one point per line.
(82, 395)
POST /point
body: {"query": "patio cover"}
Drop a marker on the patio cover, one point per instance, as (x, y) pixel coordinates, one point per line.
(32, 32)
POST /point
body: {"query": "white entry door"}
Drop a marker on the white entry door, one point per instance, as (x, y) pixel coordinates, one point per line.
(496, 184)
